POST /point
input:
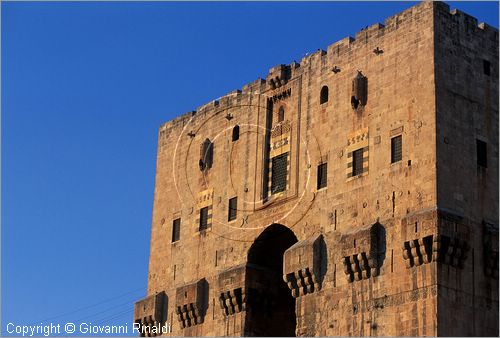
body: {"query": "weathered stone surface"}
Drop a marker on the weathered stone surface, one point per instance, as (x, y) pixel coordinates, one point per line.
(403, 244)
(304, 266)
(232, 290)
(191, 303)
(151, 311)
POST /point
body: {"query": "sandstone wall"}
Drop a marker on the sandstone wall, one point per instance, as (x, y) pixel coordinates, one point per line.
(369, 257)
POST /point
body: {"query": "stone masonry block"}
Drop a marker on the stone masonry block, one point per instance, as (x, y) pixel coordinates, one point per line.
(191, 301)
(151, 311)
(303, 266)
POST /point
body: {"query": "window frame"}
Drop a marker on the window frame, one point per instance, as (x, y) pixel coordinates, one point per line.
(232, 216)
(355, 159)
(394, 149)
(279, 187)
(322, 176)
(176, 230)
(201, 226)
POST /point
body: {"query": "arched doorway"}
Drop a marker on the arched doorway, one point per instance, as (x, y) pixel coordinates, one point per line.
(271, 305)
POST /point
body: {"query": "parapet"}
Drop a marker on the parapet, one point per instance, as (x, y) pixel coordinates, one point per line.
(151, 311)
(464, 22)
(281, 74)
(191, 301)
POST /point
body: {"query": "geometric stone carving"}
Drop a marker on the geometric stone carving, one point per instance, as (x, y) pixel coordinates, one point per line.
(365, 260)
(303, 266)
(280, 129)
(438, 248)
(150, 312)
(191, 303)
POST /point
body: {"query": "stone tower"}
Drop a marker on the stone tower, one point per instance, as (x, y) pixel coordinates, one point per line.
(353, 193)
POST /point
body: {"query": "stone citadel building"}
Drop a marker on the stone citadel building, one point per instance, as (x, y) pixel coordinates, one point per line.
(353, 193)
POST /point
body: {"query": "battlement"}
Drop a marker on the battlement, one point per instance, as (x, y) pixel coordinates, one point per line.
(464, 22)
(372, 35)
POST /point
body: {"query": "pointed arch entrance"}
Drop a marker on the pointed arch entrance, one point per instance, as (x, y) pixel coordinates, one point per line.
(272, 307)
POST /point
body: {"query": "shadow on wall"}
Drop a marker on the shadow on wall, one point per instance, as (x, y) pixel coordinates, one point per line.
(378, 245)
(323, 262)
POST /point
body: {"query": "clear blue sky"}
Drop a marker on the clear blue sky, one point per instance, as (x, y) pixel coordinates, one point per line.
(85, 87)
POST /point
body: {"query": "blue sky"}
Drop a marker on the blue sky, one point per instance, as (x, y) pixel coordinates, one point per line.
(85, 87)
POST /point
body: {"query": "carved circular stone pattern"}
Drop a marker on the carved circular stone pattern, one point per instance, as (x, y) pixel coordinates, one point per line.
(201, 127)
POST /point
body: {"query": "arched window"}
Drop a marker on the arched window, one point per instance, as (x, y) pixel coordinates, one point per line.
(206, 155)
(236, 133)
(323, 96)
(359, 91)
(281, 114)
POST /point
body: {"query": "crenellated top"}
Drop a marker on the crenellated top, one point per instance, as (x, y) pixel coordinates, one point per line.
(281, 74)
(459, 21)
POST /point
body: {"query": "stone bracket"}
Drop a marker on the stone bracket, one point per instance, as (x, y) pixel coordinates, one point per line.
(360, 266)
(191, 303)
(301, 282)
(233, 301)
(437, 248)
(363, 252)
(151, 311)
(188, 315)
(303, 268)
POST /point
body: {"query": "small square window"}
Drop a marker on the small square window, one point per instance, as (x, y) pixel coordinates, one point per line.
(396, 149)
(482, 158)
(176, 230)
(486, 67)
(233, 209)
(203, 218)
(322, 175)
(357, 162)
